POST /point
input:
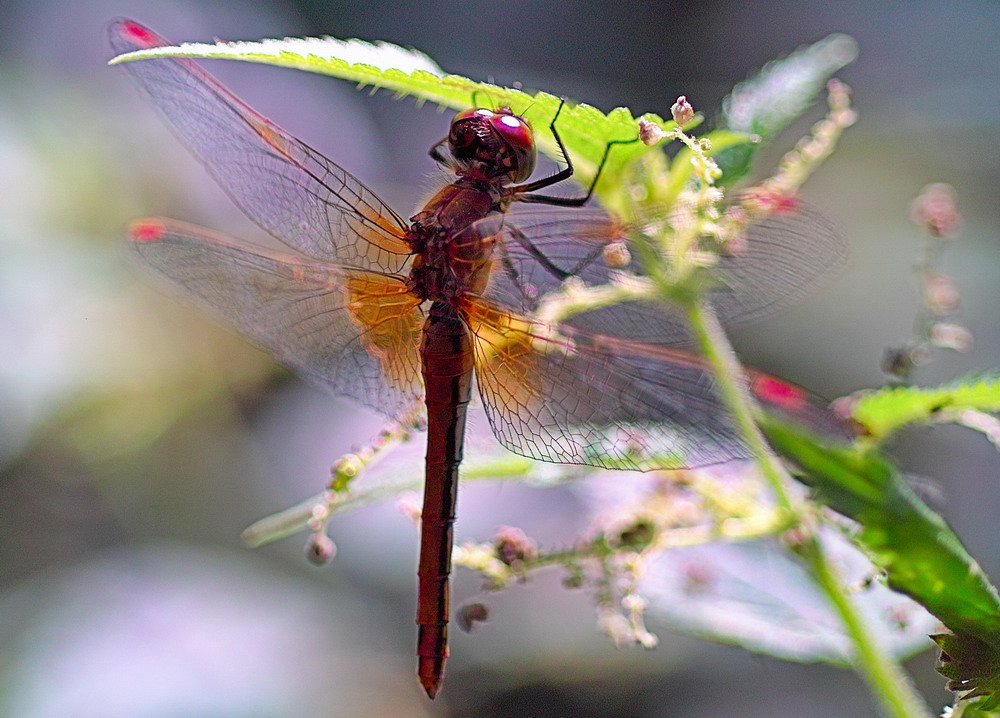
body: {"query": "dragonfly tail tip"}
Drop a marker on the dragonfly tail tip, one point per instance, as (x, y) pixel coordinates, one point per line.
(431, 674)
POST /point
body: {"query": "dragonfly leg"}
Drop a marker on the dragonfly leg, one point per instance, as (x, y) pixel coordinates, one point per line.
(561, 274)
(561, 175)
(523, 193)
(435, 152)
(515, 277)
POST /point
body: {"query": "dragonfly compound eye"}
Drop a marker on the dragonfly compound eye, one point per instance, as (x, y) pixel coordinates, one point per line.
(493, 144)
(518, 155)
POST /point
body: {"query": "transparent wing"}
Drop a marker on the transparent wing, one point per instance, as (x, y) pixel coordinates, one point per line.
(353, 332)
(536, 250)
(289, 189)
(572, 397)
(796, 405)
(786, 257)
(581, 399)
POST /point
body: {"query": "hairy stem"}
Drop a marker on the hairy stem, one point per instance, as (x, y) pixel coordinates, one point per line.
(884, 676)
(879, 669)
(729, 375)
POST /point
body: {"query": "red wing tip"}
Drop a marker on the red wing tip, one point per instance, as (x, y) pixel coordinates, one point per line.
(137, 34)
(778, 393)
(147, 230)
(773, 202)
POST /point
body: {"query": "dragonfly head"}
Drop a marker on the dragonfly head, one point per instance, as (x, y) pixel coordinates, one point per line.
(496, 144)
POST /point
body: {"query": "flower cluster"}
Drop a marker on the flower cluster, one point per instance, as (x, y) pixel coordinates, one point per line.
(935, 213)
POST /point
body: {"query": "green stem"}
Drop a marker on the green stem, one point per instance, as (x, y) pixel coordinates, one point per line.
(883, 675)
(728, 373)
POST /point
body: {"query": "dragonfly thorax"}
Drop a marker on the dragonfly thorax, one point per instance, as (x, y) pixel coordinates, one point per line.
(494, 145)
(450, 257)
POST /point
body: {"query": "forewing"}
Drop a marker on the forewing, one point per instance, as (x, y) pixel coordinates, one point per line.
(787, 255)
(286, 187)
(350, 331)
(573, 398)
(537, 250)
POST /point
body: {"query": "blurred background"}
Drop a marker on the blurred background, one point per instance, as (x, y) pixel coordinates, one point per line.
(137, 439)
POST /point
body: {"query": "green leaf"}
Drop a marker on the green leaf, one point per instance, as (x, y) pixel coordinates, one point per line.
(766, 103)
(585, 130)
(919, 553)
(884, 411)
(973, 668)
(973, 710)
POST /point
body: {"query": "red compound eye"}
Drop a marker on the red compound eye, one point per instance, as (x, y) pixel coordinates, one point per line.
(519, 141)
(471, 113)
(494, 144)
(515, 131)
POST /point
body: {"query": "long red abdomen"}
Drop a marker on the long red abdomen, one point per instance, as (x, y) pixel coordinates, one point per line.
(446, 355)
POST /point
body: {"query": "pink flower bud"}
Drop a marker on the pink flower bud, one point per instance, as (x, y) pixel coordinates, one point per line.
(616, 254)
(766, 201)
(942, 294)
(951, 336)
(649, 132)
(513, 546)
(681, 111)
(936, 210)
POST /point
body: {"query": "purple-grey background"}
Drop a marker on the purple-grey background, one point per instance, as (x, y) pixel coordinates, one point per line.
(137, 439)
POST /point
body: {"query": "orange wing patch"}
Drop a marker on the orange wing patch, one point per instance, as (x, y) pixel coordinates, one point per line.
(272, 136)
(387, 225)
(508, 349)
(385, 310)
(381, 234)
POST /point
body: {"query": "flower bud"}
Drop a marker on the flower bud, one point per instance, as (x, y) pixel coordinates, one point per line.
(636, 536)
(951, 336)
(470, 615)
(409, 505)
(941, 294)
(616, 255)
(681, 111)
(898, 361)
(936, 210)
(513, 546)
(320, 549)
(649, 132)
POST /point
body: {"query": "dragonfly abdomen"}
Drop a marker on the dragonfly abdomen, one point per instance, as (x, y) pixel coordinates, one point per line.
(446, 363)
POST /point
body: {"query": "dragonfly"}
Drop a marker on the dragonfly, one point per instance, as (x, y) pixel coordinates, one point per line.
(393, 313)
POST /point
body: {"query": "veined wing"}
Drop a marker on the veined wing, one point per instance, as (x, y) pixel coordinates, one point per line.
(353, 332)
(536, 250)
(575, 398)
(286, 187)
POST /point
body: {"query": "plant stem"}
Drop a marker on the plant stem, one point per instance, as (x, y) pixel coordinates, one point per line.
(883, 675)
(729, 375)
